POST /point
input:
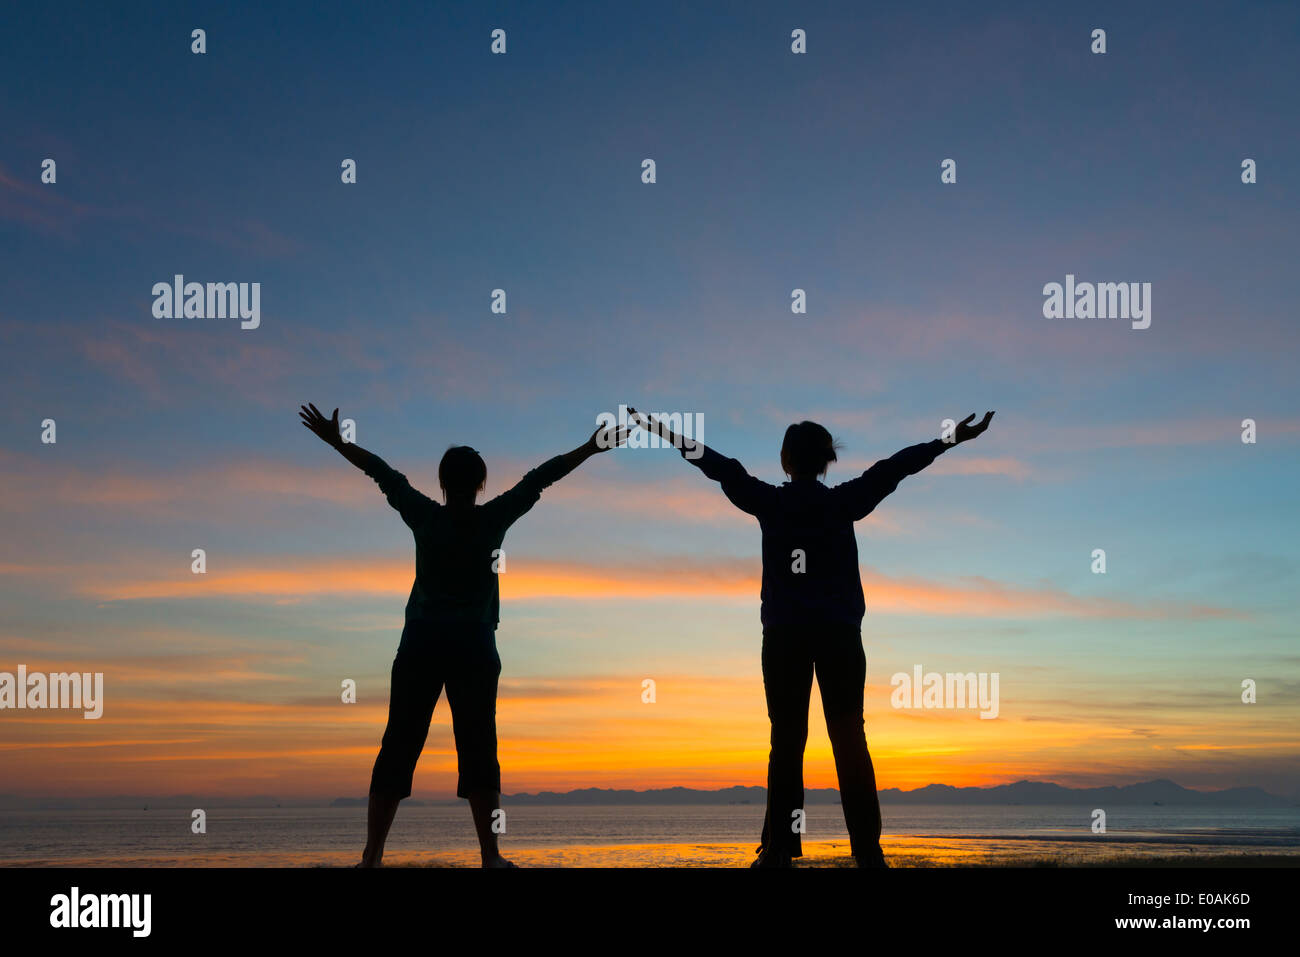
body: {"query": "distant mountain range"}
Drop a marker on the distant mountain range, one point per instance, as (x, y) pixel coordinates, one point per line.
(1021, 792)
(1162, 791)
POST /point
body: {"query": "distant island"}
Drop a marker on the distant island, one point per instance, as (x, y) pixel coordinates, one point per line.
(1162, 792)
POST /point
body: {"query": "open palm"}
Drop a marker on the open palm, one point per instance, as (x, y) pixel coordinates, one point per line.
(966, 431)
(326, 429)
(613, 437)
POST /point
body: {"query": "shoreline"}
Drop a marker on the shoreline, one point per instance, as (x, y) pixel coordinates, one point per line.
(909, 851)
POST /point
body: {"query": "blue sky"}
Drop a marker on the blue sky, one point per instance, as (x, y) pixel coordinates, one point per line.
(774, 171)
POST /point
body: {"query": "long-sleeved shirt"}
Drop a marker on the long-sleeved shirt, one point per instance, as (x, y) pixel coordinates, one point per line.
(810, 554)
(455, 578)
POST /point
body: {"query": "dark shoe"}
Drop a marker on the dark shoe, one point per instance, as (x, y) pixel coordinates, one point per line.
(875, 860)
(771, 858)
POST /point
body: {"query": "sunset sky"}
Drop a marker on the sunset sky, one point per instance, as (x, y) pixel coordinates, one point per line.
(775, 171)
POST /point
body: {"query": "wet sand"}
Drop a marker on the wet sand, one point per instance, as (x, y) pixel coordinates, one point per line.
(900, 851)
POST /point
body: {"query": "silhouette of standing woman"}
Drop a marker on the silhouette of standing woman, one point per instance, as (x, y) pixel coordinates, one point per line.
(451, 617)
(812, 608)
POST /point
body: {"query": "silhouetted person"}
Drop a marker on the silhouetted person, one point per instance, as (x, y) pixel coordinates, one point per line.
(812, 608)
(451, 617)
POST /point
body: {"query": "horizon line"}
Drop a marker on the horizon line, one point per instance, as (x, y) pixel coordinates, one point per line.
(306, 800)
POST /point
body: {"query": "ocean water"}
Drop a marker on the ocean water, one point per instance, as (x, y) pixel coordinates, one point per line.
(644, 836)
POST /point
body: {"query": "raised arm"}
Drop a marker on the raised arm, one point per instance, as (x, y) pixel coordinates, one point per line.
(518, 500)
(327, 430)
(747, 493)
(861, 495)
(602, 440)
(410, 504)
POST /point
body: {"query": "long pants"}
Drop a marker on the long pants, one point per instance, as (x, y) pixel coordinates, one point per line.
(791, 654)
(463, 658)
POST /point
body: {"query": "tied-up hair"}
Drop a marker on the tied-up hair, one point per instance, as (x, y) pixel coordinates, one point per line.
(808, 449)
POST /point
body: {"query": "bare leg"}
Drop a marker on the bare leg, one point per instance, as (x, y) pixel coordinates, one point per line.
(379, 818)
(482, 804)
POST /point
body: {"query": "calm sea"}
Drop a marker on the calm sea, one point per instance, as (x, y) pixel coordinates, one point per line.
(636, 835)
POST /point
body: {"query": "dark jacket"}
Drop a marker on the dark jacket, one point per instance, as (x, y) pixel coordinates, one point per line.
(804, 516)
(454, 577)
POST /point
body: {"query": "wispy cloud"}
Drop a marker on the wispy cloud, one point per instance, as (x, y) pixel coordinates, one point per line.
(38, 206)
(297, 577)
(45, 207)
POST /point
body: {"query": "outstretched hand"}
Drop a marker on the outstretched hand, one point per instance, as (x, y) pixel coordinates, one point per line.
(326, 429)
(966, 431)
(654, 427)
(602, 440)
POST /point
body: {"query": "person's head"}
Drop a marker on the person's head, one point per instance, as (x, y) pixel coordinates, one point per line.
(462, 474)
(808, 450)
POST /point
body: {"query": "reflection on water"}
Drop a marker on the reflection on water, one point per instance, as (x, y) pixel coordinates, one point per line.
(648, 836)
